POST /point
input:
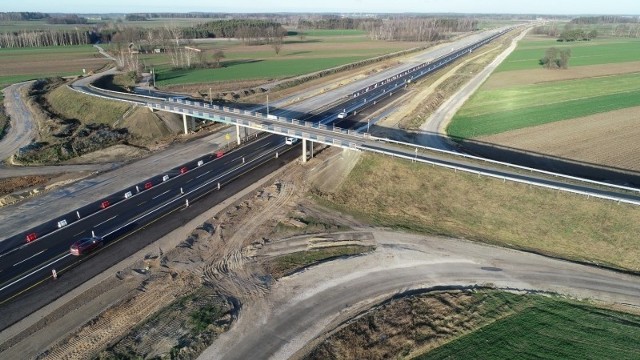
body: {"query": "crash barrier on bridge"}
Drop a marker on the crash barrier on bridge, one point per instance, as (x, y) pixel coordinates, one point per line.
(419, 158)
(505, 164)
(40, 232)
(359, 137)
(274, 124)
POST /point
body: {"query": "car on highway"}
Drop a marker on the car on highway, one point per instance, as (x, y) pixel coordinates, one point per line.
(290, 140)
(85, 245)
(342, 115)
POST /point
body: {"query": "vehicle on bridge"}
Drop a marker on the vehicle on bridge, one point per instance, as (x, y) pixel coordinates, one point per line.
(291, 140)
(342, 115)
(86, 245)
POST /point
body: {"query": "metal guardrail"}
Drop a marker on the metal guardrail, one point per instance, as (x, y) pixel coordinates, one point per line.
(504, 178)
(515, 166)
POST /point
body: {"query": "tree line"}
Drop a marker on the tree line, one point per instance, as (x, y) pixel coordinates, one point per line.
(605, 20)
(37, 38)
(22, 16)
(335, 22)
(247, 30)
(419, 29)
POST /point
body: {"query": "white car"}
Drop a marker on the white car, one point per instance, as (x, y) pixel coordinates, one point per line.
(290, 141)
(342, 115)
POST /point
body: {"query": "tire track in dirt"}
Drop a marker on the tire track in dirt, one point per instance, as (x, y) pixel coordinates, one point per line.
(230, 274)
(97, 334)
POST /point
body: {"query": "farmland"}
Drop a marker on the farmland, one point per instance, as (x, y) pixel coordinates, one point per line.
(485, 324)
(500, 110)
(320, 49)
(521, 101)
(22, 64)
(605, 51)
(550, 329)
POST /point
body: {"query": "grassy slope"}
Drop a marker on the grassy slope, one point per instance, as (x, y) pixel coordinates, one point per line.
(398, 194)
(550, 329)
(87, 109)
(286, 264)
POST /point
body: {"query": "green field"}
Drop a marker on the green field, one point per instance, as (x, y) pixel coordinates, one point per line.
(327, 49)
(251, 70)
(22, 64)
(495, 111)
(550, 329)
(605, 51)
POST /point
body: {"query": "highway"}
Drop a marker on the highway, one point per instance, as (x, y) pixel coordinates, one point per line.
(28, 265)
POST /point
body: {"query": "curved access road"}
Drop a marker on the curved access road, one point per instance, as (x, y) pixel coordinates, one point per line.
(22, 127)
(304, 306)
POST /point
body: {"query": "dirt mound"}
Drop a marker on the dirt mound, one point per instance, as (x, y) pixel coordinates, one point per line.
(145, 124)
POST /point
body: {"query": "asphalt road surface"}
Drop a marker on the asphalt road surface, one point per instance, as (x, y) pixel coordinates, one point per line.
(302, 307)
(30, 263)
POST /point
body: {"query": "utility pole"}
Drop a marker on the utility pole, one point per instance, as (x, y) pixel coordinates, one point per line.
(267, 105)
(153, 74)
(210, 98)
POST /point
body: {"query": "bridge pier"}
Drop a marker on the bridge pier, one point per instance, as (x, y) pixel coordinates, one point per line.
(238, 134)
(304, 151)
(184, 122)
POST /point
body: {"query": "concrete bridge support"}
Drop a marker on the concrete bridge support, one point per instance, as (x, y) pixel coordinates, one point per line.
(304, 151)
(238, 134)
(184, 122)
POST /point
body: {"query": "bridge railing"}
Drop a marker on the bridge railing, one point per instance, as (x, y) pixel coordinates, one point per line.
(417, 158)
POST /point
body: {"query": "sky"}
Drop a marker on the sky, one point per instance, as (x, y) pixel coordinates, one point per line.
(560, 7)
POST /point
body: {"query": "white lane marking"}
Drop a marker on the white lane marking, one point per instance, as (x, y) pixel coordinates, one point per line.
(30, 257)
(157, 196)
(109, 219)
(142, 203)
(78, 233)
(203, 174)
(33, 272)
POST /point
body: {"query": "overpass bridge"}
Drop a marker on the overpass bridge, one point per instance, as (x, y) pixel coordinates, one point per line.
(359, 140)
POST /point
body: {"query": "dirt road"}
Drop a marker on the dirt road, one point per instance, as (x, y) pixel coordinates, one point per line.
(302, 307)
(22, 129)
(438, 121)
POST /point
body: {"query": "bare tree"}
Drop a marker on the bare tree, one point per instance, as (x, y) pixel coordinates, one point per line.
(218, 55)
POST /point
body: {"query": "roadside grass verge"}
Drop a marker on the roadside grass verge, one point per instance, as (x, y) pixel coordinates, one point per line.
(88, 109)
(284, 265)
(553, 329)
(499, 110)
(484, 324)
(388, 192)
(603, 51)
